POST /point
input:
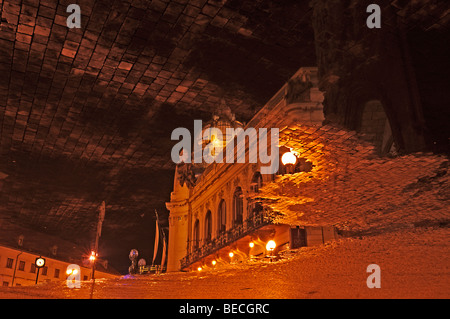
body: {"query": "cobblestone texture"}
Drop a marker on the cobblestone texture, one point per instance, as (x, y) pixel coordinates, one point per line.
(414, 264)
(355, 190)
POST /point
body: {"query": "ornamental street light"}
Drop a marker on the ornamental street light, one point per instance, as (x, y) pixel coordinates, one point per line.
(39, 263)
(271, 247)
(289, 159)
(71, 271)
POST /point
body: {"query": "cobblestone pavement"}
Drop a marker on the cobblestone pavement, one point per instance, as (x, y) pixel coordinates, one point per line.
(414, 263)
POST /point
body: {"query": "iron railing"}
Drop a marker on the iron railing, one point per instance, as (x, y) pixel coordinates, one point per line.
(226, 238)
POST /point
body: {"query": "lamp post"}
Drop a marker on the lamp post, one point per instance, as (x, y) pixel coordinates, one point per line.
(92, 258)
(271, 247)
(251, 245)
(289, 159)
(94, 252)
(39, 263)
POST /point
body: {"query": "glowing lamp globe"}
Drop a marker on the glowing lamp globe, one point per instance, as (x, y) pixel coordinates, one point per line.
(199, 268)
(271, 245)
(288, 158)
(251, 244)
(213, 262)
(231, 254)
(39, 262)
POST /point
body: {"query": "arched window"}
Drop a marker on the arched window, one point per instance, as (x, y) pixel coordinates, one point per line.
(375, 126)
(238, 206)
(222, 217)
(196, 239)
(256, 182)
(208, 226)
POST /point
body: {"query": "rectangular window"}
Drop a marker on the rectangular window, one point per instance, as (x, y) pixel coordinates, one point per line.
(33, 268)
(56, 273)
(22, 265)
(5, 284)
(9, 263)
(44, 271)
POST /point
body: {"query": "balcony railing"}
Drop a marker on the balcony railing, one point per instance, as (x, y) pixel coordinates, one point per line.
(226, 238)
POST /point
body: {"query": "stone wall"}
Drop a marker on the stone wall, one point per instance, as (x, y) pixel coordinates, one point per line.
(357, 64)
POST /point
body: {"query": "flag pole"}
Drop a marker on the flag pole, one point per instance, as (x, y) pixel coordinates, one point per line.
(156, 244)
(163, 258)
(94, 254)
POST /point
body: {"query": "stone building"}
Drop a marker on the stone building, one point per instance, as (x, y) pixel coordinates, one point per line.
(215, 214)
(18, 255)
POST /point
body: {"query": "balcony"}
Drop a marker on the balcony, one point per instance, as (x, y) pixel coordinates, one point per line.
(226, 238)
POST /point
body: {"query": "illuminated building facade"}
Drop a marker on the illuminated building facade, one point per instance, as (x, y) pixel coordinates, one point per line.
(17, 268)
(215, 215)
(18, 258)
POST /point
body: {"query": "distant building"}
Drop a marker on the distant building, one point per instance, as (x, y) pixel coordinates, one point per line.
(19, 252)
(215, 215)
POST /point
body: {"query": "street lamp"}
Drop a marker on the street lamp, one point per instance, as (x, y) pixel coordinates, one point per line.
(289, 159)
(251, 245)
(39, 263)
(71, 271)
(271, 247)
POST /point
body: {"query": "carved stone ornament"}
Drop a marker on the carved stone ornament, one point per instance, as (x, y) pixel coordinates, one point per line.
(298, 90)
(186, 175)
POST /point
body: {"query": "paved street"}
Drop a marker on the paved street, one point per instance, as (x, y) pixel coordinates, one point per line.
(414, 263)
